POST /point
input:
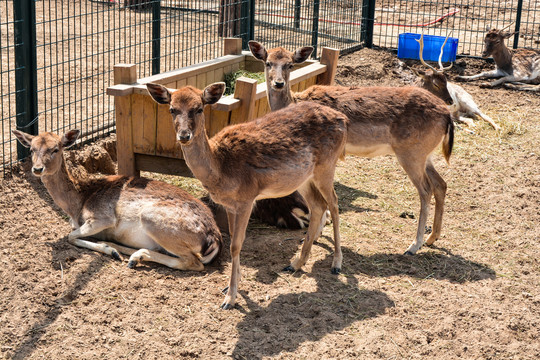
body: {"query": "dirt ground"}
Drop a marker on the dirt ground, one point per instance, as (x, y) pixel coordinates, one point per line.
(474, 295)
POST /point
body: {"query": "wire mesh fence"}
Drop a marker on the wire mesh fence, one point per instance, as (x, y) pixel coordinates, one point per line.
(57, 57)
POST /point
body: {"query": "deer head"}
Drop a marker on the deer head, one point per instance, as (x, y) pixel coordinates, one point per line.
(494, 40)
(434, 80)
(279, 63)
(186, 107)
(46, 149)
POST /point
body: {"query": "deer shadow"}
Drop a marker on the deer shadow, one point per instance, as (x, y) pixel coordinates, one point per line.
(347, 195)
(298, 317)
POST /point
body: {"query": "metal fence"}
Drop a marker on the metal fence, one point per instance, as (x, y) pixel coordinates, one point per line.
(57, 57)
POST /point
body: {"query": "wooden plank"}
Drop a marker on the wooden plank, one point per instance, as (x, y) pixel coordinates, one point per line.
(227, 103)
(245, 91)
(162, 165)
(201, 81)
(329, 57)
(192, 81)
(220, 119)
(219, 74)
(144, 124)
(124, 74)
(120, 90)
(181, 83)
(306, 72)
(232, 46)
(210, 77)
(302, 86)
(124, 139)
(264, 108)
(193, 70)
(294, 88)
(166, 144)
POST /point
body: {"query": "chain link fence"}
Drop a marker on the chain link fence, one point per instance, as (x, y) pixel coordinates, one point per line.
(57, 57)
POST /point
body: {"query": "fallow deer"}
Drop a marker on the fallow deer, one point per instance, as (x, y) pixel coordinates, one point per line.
(147, 219)
(435, 81)
(409, 122)
(293, 149)
(517, 69)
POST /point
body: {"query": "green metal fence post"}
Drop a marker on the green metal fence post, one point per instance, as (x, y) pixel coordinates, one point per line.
(315, 33)
(297, 5)
(248, 22)
(24, 12)
(156, 36)
(368, 20)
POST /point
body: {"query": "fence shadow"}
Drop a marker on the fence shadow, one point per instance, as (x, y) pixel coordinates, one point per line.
(294, 318)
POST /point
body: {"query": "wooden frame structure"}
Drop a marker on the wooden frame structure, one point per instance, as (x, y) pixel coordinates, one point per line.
(144, 131)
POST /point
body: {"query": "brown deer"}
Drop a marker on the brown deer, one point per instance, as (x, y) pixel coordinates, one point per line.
(293, 149)
(517, 69)
(409, 122)
(149, 220)
(435, 81)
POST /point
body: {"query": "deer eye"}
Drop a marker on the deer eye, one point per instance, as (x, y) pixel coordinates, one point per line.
(199, 110)
(171, 110)
(55, 151)
(268, 64)
(290, 66)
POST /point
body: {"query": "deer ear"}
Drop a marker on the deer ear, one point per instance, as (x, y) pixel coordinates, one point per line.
(24, 138)
(488, 28)
(212, 93)
(258, 50)
(69, 138)
(509, 35)
(159, 93)
(302, 54)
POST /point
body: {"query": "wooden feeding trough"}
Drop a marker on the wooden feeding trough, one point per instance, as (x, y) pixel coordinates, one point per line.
(144, 131)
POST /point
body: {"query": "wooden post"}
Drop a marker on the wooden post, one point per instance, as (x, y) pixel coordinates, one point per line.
(124, 74)
(329, 57)
(245, 91)
(232, 46)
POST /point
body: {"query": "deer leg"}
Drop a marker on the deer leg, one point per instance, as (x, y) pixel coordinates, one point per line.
(89, 228)
(317, 207)
(416, 169)
(327, 191)
(488, 119)
(186, 261)
(504, 79)
(439, 190)
(486, 74)
(522, 86)
(468, 121)
(241, 218)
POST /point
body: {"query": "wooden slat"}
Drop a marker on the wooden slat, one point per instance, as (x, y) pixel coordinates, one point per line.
(232, 46)
(264, 108)
(192, 81)
(329, 57)
(219, 74)
(220, 119)
(125, 74)
(166, 144)
(144, 124)
(181, 83)
(294, 88)
(162, 165)
(227, 103)
(201, 81)
(245, 91)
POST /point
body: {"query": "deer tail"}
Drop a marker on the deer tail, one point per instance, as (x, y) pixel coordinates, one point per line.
(448, 141)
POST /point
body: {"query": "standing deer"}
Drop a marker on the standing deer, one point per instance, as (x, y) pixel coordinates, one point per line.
(166, 224)
(293, 149)
(435, 81)
(518, 69)
(408, 122)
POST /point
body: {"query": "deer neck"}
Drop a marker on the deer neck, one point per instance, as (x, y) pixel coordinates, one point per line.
(279, 99)
(201, 161)
(503, 59)
(63, 191)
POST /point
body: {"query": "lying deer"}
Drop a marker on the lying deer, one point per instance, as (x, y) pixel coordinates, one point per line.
(293, 149)
(408, 122)
(518, 69)
(435, 81)
(166, 224)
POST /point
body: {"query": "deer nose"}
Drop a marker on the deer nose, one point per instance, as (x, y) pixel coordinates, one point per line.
(184, 137)
(279, 84)
(37, 170)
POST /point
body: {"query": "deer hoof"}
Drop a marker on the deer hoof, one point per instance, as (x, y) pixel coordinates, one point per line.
(485, 85)
(225, 306)
(115, 255)
(408, 252)
(289, 269)
(224, 290)
(132, 264)
(336, 271)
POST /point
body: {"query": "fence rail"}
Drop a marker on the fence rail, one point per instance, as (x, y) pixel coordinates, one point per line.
(57, 57)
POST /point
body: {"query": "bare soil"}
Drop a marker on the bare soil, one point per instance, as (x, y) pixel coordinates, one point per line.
(475, 294)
